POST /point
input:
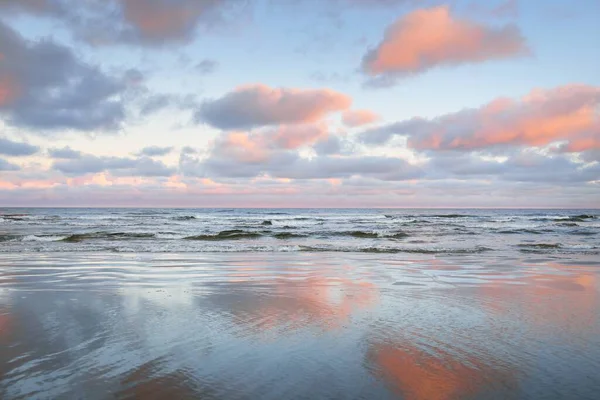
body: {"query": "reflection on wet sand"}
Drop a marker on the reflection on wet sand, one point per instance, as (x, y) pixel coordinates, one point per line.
(300, 328)
(150, 382)
(554, 299)
(417, 374)
(322, 302)
(443, 361)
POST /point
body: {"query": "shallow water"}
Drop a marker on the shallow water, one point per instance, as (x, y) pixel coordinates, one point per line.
(305, 325)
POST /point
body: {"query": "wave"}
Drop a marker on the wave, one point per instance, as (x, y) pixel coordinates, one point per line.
(184, 218)
(565, 218)
(370, 235)
(288, 235)
(522, 232)
(267, 222)
(451, 216)
(360, 234)
(582, 232)
(395, 250)
(14, 217)
(235, 234)
(6, 238)
(581, 218)
(80, 237)
(540, 246)
(42, 238)
(567, 224)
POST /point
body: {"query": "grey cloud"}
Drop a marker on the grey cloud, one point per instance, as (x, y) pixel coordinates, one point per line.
(521, 166)
(188, 150)
(282, 163)
(49, 88)
(121, 166)
(334, 144)
(152, 151)
(65, 153)
(10, 148)
(325, 167)
(261, 105)
(6, 166)
(158, 102)
(591, 155)
(135, 22)
(147, 167)
(207, 66)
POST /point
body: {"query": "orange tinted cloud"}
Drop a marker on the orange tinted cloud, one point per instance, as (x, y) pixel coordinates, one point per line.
(257, 147)
(430, 37)
(30, 5)
(261, 105)
(538, 119)
(564, 114)
(295, 136)
(162, 19)
(354, 118)
(9, 89)
(241, 146)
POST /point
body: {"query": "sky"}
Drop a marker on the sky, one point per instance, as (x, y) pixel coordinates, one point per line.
(300, 103)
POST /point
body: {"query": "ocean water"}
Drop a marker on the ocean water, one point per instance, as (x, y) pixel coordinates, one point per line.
(299, 304)
(567, 232)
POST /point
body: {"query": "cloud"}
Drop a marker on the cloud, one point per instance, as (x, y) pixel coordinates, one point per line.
(563, 114)
(354, 118)
(138, 22)
(120, 166)
(44, 86)
(432, 37)
(35, 6)
(260, 105)
(276, 153)
(206, 67)
(66, 153)
(327, 167)
(258, 146)
(10, 148)
(6, 166)
(504, 9)
(154, 103)
(152, 151)
(523, 165)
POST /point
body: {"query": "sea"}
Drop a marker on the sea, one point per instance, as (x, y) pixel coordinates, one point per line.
(126, 303)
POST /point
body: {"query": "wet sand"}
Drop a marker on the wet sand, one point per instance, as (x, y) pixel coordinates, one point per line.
(298, 326)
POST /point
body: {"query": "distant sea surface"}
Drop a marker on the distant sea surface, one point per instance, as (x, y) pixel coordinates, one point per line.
(569, 232)
(299, 304)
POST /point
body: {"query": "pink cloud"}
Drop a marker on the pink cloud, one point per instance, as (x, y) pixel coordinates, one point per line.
(354, 118)
(295, 136)
(30, 5)
(241, 146)
(9, 89)
(538, 119)
(563, 114)
(427, 38)
(257, 147)
(261, 105)
(163, 19)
